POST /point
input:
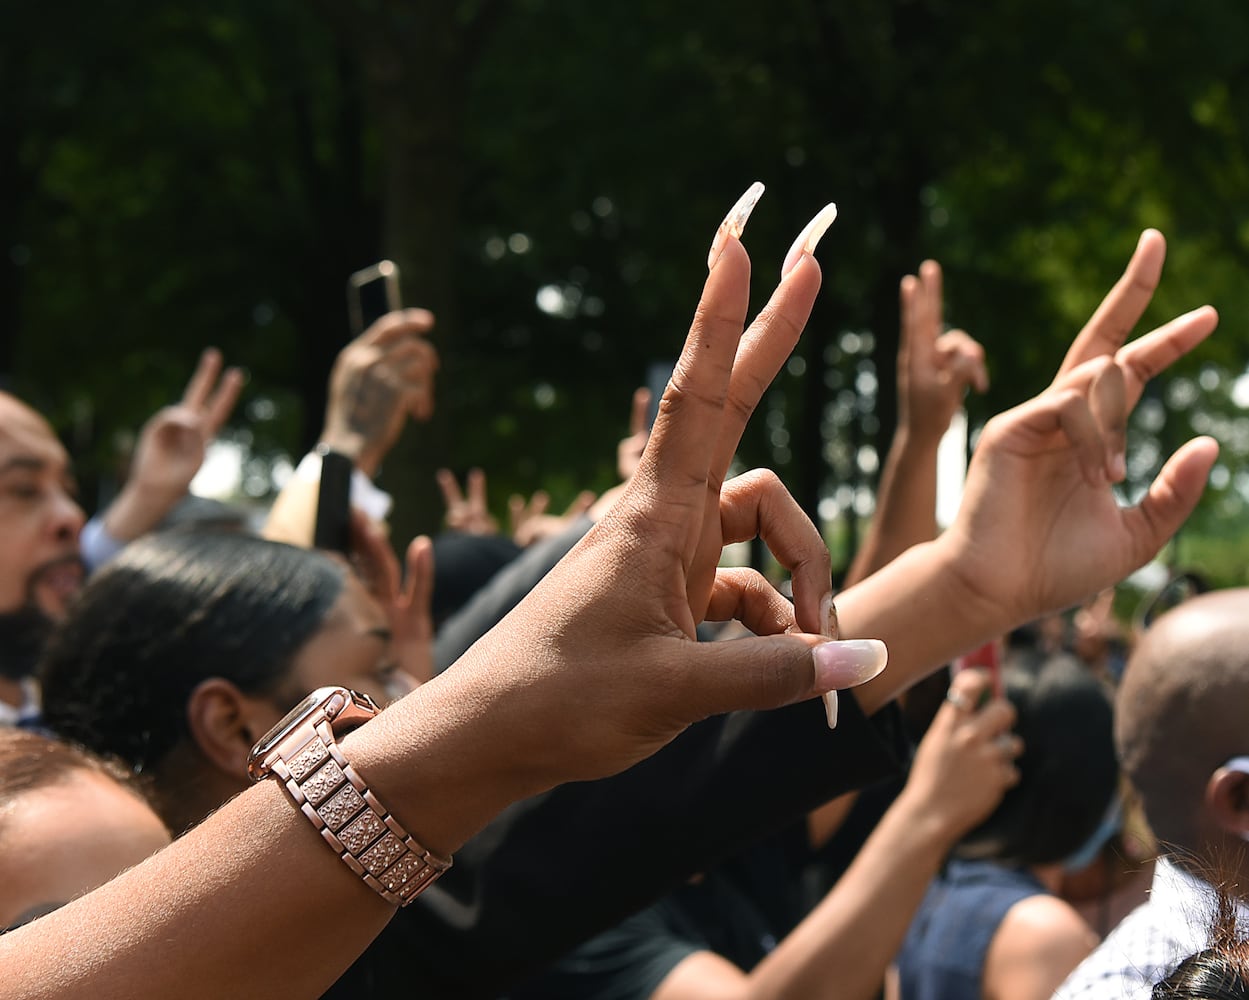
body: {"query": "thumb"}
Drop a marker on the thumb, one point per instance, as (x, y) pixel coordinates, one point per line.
(1172, 496)
(770, 671)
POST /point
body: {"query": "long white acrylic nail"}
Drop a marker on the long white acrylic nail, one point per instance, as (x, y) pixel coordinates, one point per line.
(828, 621)
(734, 223)
(844, 663)
(809, 237)
(830, 708)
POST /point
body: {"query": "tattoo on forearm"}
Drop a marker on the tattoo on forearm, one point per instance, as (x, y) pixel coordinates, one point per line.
(370, 405)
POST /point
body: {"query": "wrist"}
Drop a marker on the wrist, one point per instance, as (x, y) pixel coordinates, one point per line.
(985, 613)
(342, 441)
(139, 508)
(917, 440)
(924, 816)
(424, 757)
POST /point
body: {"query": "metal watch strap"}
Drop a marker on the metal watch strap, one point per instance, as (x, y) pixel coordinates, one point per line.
(370, 841)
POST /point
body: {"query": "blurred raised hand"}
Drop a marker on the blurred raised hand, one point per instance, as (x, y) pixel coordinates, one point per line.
(628, 452)
(934, 372)
(935, 368)
(404, 595)
(966, 761)
(467, 510)
(1040, 483)
(530, 521)
(379, 380)
(171, 448)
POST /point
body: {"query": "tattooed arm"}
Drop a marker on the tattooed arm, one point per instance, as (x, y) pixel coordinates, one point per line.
(378, 380)
(381, 377)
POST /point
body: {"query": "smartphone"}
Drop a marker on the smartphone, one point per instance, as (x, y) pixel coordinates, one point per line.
(333, 524)
(985, 658)
(371, 294)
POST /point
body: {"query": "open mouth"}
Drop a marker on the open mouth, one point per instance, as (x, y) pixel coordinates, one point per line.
(55, 583)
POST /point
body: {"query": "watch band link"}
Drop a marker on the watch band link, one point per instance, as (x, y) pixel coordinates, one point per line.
(369, 840)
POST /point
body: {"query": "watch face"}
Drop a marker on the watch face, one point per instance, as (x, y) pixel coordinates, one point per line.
(291, 719)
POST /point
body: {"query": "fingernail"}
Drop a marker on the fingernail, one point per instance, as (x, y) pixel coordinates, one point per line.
(846, 662)
(830, 708)
(828, 616)
(809, 237)
(734, 223)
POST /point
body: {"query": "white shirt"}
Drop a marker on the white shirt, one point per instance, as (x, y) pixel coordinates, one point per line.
(1172, 924)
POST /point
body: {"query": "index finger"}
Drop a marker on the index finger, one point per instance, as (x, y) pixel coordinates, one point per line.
(222, 402)
(1108, 328)
(637, 415)
(451, 494)
(691, 411)
(763, 350)
(923, 324)
(477, 489)
(1151, 354)
(207, 369)
(400, 323)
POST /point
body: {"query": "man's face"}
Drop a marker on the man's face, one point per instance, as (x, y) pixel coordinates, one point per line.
(40, 521)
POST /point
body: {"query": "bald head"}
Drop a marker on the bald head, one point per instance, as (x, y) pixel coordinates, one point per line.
(1182, 709)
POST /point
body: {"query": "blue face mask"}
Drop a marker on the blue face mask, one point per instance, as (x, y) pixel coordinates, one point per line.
(1112, 823)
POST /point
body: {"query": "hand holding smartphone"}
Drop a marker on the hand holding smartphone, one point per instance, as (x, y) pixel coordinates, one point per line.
(986, 658)
(371, 293)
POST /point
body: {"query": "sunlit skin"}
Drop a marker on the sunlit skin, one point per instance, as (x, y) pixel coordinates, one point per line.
(40, 520)
(64, 839)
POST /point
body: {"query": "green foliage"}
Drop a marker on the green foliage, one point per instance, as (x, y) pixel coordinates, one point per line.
(549, 176)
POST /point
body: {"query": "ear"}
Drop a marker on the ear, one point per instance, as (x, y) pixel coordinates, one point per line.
(1227, 799)
(225, 724)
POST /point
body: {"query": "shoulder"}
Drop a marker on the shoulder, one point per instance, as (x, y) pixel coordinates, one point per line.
(1039, 941)
(629, 962)
(703, 975)
(1145, 946)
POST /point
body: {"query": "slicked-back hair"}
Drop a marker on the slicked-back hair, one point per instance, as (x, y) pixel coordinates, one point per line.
(1068, 772)
(171, 611)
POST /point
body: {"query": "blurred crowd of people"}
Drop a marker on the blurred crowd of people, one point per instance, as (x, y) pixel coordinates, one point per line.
(579, 757)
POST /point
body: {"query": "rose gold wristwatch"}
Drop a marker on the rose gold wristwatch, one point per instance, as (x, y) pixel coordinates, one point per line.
(301, 752)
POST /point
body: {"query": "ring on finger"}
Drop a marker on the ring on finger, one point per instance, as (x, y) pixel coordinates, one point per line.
(959, 700)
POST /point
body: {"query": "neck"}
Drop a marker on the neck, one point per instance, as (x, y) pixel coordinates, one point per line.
(185, 789)
(1050, 876)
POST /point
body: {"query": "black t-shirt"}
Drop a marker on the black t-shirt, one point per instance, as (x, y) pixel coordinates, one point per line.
(739, 911)
(555, 870)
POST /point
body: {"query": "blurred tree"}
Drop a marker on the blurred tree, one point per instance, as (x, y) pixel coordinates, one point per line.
(549, 176)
